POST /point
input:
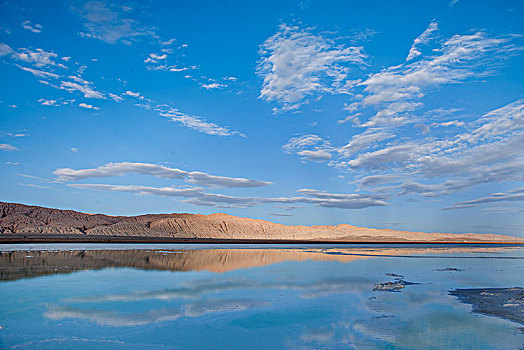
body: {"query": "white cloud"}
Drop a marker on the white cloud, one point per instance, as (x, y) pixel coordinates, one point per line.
(5, 49)
(45, 102)
(350, 118)
(122, 168)
(157, 57)
(395, 90)
(116, 98)
(374, 180)
(33, 27)
(300, 142)
(398, 155)
(39, 73)
(87, 106)
(17, 134)
(132, 94)
(39, 58)
(110, 23)
(190, 121)
(7, 147)
(168, 42)
(319, 155)
(363, 141)
(452, 3)
(319, 149)
(212, 86)
(74, 149)
(422, 39)
(87, 89)
(194, 122)
(295, 64)
(176, 69)
(515, 195)
(501, 121)
(197, 197)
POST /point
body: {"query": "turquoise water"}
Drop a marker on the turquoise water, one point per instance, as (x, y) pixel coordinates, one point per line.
(251, 297)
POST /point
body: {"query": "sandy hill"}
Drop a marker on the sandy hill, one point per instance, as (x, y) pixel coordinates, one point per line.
(33, 220)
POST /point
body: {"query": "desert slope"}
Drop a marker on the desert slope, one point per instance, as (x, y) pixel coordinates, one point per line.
(33, 220)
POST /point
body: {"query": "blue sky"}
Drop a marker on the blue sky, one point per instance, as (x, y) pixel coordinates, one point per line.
(405, 115)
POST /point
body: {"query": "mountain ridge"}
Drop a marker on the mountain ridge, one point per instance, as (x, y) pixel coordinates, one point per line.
(16, 219)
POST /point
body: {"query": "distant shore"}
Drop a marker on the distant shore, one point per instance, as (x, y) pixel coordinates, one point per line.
(29, 238)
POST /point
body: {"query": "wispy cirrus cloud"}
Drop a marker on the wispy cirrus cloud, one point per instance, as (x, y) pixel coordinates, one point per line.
(88, 90)
(39, 73)
(42, 59)
(191, 121)
(397, 91)
(112, 22)
(422, 39)
(296, 64)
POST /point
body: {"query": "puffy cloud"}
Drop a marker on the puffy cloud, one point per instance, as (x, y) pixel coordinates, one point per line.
(45, 102)
(132, 94)
(87, 106)
(212, 86)
(39, 58)
(295, 64)
(119, 169)
(154, 56)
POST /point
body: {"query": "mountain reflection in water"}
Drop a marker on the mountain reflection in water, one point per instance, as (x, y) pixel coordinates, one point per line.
(27, 264)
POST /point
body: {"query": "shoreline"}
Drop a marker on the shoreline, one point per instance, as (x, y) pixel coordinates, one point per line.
(20, 239)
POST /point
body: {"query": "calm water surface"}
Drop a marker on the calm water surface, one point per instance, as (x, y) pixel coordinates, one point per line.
(252, 297)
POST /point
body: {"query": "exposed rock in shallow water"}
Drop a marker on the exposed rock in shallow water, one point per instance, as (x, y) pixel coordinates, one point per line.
(506, 303)
(396, 286)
